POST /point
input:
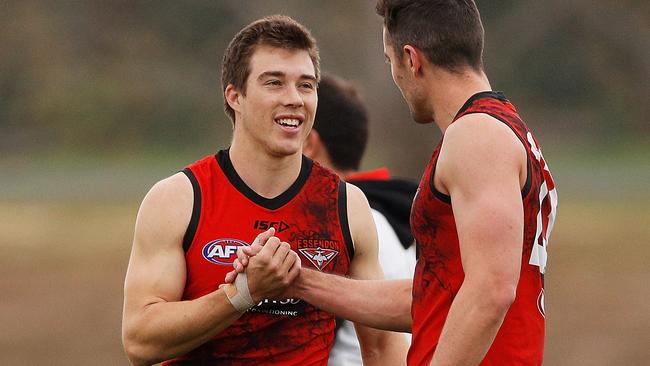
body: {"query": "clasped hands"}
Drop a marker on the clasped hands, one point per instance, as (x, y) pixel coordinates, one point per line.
(270, 265)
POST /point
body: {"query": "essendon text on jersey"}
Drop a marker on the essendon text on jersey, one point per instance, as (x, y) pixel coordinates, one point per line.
(320, 252)
(313, 243)
(222, 251)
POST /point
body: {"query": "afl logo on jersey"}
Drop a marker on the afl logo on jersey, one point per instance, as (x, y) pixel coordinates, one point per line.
(222, 251)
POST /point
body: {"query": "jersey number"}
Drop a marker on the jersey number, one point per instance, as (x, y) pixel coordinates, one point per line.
(547, 210)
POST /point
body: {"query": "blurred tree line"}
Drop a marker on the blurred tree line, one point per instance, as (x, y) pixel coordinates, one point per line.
(126, 77)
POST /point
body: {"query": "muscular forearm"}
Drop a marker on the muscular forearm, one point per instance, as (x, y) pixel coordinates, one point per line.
(471, 325)
(164, 330)
(381, 304)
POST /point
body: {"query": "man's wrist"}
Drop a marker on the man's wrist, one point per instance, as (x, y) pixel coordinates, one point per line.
(239, 295)
(301, 284)
(230, 290)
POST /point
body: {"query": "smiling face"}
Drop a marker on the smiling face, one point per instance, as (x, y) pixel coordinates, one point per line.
(278, 110)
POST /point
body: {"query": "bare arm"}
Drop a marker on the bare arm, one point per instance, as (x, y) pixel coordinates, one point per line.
(481, 166)
(377, 347)
(156, 325)
(377, 303)
(381, 304)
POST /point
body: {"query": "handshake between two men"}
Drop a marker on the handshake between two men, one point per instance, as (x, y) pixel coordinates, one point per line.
(269, 269)
(266, 269)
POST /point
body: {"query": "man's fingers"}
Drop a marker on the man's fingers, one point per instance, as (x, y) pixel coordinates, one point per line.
(280, 255)
(251, 250)
(238, 268)
(230, 277)
(271, 272)
(295, 268)
(238, 265)
(270, 247)
(289, 259)
(263, 237)
(242, 255)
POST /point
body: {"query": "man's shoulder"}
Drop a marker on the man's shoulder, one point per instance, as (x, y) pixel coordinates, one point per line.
(479, 136)
(164, 213)
(170, 197)
(478, 148)
(475, 124)
(174, 185)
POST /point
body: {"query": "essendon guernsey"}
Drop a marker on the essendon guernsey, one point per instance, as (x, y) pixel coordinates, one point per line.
(439, 272)
(311, 216)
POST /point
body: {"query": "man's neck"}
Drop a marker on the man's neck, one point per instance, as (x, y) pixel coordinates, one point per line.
(451, 91)
(266, 174)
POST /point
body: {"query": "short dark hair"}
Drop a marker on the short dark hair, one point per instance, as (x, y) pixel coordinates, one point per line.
(342, 122)
(449, 32)
(277, 31)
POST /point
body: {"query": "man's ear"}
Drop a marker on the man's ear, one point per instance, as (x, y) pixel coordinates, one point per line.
(414, 59)
(231, 94)
(313, 146)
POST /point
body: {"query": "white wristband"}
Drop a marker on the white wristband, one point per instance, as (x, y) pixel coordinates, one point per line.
(242, 301)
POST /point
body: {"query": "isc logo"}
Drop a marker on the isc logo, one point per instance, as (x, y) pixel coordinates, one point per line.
(222, 251)
(264, 225)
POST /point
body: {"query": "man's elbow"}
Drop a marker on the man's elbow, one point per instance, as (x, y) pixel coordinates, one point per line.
(499, 297)
(139, 353)
(405, 323)
(389, 348)
(370, 356)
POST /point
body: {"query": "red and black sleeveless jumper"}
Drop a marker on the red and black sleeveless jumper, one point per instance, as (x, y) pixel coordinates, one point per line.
(439, 272)
(311, 215)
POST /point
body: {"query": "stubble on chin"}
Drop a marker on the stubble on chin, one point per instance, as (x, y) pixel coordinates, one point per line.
(419, 112)
(420, 117)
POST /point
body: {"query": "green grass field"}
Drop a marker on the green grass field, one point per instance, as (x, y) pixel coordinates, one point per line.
(65, 240)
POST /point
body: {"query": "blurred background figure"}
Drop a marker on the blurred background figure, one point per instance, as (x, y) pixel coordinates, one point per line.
(338, 141)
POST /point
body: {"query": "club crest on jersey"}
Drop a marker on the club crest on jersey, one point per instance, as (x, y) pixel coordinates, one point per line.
(222, 251)
(319, 257)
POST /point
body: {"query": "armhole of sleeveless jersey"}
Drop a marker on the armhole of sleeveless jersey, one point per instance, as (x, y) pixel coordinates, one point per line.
(439, 195)
(529, 175)
(196, 211)
(343, 219)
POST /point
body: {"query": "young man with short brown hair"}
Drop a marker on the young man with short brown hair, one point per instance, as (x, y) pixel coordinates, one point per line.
(191, 224)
